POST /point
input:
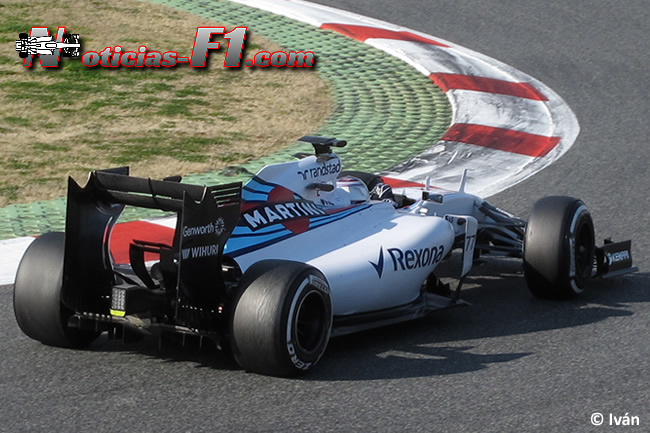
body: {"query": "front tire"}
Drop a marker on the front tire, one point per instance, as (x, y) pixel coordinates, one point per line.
(37, 295)
(282, 319)
(559, 248)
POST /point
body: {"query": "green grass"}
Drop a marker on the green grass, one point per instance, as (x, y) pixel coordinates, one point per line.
(64, 87)
(17, 120)
(189, 91)
(62, 121)
(14, 24)
(9, 191)
(47, 147)
(25, 164)
(156, 143)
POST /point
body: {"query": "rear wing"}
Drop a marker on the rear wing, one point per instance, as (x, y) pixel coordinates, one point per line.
(191, 266)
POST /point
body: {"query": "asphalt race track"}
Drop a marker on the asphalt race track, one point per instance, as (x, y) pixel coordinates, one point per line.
(507, 363)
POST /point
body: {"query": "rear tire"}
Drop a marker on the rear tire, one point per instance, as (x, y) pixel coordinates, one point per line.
(37, 295)
(559, 248)
(282, 319)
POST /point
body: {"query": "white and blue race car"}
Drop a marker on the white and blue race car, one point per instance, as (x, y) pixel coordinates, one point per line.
(304, 251)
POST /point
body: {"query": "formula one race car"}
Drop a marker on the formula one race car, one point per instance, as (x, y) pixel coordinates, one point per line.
(45, 45)
(302, 252)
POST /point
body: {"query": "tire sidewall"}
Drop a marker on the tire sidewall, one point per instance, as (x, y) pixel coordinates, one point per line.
(308, 285)
(264, 314)
(37, 308)
(37, 295)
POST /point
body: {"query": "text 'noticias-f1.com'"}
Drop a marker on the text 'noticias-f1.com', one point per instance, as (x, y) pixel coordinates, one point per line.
(49, 49)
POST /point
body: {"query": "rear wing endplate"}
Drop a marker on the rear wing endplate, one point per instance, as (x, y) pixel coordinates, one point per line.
(206, 215)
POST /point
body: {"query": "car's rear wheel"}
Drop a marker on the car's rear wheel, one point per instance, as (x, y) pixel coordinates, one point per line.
(282, 318)
(37, 295)
(559, 248)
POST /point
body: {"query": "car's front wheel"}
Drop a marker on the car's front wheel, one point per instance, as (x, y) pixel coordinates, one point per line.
(282, 318)
(559, 247)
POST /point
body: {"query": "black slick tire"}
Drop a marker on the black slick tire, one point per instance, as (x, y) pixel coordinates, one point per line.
(282, 318)
(559, 248)
(37, 295)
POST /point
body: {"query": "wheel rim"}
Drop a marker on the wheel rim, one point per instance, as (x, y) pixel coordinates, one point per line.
(584, 251)
(311, 321)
